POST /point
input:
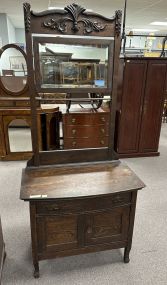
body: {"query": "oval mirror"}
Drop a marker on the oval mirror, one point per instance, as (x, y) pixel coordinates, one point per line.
(13, 69)
(19, 133)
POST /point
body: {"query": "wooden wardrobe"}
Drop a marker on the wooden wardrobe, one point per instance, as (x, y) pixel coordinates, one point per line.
(141, 91)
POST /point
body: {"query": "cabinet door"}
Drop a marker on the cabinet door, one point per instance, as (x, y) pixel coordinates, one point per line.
(107, 226)
(153, 106)
(131, 106)
(57, 233)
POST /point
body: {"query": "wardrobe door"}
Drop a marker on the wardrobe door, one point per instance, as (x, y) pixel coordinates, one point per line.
(153, 106)
(131, 106)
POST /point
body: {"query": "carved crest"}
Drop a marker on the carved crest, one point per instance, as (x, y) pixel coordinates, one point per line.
(118, 17)
(27, 17)
(74, 11)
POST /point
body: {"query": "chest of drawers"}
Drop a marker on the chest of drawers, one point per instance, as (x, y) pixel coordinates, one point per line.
(86, 129)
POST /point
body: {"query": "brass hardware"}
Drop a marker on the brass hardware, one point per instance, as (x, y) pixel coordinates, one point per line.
(103, 130)
(73, 120)
(103, 119)
(74, 132)
(102, 142)
(118, 199)
(74, 144)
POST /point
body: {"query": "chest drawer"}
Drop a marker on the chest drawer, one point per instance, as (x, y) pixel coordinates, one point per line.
(86, 119)
(82, 205)
(86, 132)
(75, 143)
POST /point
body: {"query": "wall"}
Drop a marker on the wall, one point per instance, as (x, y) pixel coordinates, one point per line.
(3, 29)
(11, 32)
(20, 35)
(78, 51)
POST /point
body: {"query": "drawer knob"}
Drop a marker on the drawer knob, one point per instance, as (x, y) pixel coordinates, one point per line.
(103, 130)
(102, 142)
(73, 120)
(118, 199)
(89, 230)
(74, 144)
(74, 132)
(103, 119)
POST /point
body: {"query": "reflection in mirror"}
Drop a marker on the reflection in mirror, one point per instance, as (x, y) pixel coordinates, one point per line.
(81, 127)
(67, 65)
(13, 70)
(19, 133)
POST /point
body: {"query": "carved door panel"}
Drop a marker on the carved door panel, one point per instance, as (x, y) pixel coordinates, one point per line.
(153, 106)
(57, 233)
(107, 226)
(131, 110)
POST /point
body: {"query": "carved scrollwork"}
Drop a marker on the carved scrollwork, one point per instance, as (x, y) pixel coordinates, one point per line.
(74, 11)
(92, 26)
(118, 17)
(27, 17)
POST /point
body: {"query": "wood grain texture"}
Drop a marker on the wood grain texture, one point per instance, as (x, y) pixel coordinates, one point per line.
(85, 180)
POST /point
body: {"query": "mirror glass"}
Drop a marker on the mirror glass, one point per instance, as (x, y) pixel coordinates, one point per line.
(73, 66)
(19, 133)
(13, 70)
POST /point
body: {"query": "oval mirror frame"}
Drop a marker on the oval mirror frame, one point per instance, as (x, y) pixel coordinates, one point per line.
(13, 93)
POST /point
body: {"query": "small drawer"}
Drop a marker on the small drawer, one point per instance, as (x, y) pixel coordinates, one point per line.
(85, 131)
(7, 103)
(22, 103)
(86, 119)
(76, 143)
(69, 206)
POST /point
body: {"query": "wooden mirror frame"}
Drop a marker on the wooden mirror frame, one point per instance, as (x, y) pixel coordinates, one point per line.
(73, 20)
(6, 91)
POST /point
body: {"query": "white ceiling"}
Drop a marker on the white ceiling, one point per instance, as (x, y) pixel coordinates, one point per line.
(140, 13)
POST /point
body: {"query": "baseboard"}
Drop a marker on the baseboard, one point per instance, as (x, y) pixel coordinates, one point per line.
(142, 154)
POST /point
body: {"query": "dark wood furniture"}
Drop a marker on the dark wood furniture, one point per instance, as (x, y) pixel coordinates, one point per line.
(14, 90)
(81, 209)
(2, 252)
(8, 72)
(7, 115)
(141, 91)
(14, 104)
(86, 128)
(81, 200)
(48, 130)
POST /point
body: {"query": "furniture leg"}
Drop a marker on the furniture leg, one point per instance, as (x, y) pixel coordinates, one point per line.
(36, 270)
(126, 254)
(34, 240)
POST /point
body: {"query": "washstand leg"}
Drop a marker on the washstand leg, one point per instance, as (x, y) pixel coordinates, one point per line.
(126, 255)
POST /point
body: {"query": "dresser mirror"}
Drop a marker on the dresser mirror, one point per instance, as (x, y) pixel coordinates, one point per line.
(13, 69)
(74, 53)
